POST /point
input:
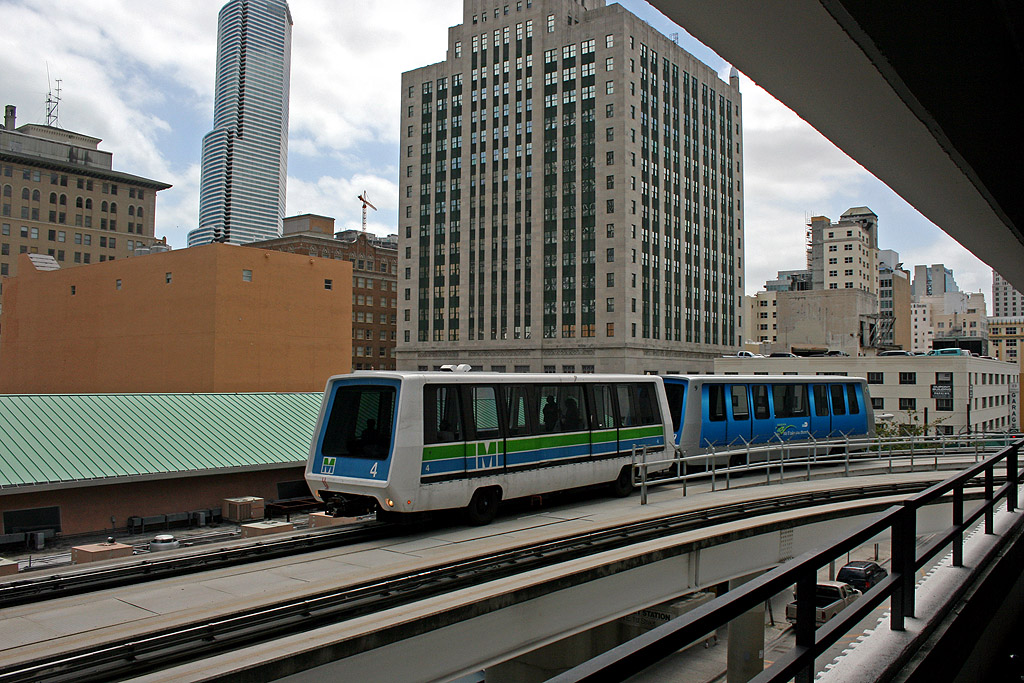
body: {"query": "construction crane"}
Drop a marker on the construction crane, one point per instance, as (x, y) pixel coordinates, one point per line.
(366, 203)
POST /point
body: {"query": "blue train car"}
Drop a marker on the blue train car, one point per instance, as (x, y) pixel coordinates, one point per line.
(717, 412)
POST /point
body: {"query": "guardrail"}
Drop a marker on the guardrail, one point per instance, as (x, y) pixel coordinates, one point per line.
(900, 521)
(775, 457)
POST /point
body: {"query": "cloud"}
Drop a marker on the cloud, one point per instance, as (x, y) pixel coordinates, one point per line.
(337, 197)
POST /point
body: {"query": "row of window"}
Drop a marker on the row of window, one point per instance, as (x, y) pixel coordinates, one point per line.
(62, 180)
(490, 411)
(941, 404)
(946, 378)
(789, 400)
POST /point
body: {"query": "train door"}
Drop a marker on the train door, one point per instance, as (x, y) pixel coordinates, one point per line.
(675, 392)
(444, 433)
(844, 419)
(518, 401)
(485, 443)
(738, 424)
(857, 409)
(713, 430)
(762, 427)
(604, 432)
(821, 417)
(792, 410)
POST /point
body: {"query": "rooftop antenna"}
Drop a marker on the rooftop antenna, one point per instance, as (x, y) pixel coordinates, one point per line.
(366, 203)
(52, 100)
(674, 37)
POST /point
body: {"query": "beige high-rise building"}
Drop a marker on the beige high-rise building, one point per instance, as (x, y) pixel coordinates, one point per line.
(61, 197)
(1007, 302)
(844, 255)
(571, 197)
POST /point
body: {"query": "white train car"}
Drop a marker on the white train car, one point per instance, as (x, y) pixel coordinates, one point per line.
(402, 442)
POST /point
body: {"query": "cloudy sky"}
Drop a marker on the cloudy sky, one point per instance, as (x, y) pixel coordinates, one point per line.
(140, 73)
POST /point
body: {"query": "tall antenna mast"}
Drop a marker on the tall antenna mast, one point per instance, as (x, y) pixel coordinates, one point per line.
(366, 203)
(52, 100)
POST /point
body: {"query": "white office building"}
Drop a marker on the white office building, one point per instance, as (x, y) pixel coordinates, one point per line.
(245, 156)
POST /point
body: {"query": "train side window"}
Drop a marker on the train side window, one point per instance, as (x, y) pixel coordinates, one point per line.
(853, 404)
(604, 407)
(627, 411)
(550, 413)
(517, 407)
(790, 400)
(716, 402)
(821, 400)
(483, 403)
(573, 408)
(740, 407)
(647, 408)
(442, 416)
(838, 402)
(759, 393)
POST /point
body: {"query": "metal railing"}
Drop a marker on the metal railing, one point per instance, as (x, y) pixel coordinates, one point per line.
(913, 452)
(899, 521)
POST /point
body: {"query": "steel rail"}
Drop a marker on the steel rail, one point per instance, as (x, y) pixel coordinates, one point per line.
(149, 652)
(32, 590)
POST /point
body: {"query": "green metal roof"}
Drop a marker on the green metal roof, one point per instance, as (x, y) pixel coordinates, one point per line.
(62, 438)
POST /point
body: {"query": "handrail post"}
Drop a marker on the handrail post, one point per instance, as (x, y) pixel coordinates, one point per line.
(806, 587)
(904, 551)
(1011, 477)
(913, 446)
(714, 471)
(958, 522)
(989, 505)
(643, 474)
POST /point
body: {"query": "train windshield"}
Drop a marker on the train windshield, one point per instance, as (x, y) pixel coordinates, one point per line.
(360, 424)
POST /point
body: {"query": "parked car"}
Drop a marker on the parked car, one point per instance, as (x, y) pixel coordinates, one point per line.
(830, 598)
(949, 352)
(862, 575)
(163, 542)
(782, 354)
(744, 354)
(836, 353)
(895, 353)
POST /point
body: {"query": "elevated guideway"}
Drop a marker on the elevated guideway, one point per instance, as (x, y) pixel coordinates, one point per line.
(477, 622)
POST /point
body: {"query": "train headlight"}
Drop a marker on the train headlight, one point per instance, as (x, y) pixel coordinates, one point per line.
(389, 502)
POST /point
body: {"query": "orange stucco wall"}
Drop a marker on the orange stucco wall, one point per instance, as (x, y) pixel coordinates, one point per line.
(207, 330)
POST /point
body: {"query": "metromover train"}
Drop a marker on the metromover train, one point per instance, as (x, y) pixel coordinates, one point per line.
(405, 442)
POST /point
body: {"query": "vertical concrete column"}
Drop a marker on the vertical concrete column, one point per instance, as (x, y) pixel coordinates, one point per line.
(746, 640)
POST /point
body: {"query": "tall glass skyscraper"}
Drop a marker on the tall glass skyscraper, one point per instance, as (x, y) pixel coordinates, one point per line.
(245, 156)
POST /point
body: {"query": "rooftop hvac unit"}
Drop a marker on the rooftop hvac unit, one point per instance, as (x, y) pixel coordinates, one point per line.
(36, 540)
(243, 509)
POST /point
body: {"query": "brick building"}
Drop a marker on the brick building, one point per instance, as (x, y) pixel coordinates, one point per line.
(374, 281)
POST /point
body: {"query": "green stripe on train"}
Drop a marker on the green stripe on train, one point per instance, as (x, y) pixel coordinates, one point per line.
(534, 443)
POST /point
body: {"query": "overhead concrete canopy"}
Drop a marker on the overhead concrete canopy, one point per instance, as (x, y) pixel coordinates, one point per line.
(924, 95)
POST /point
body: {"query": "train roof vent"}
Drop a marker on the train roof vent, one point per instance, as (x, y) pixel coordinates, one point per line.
(461, 367)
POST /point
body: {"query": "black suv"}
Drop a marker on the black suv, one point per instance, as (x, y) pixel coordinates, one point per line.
(861, 575)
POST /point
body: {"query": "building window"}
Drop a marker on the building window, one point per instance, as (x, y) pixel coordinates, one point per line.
(117, 284)
(908, 378)
(328, 284)
(908, 404)
(73, 290)
(877, 402)
(167, 278)
(876, 378)
(944, 404)
(246, 275)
